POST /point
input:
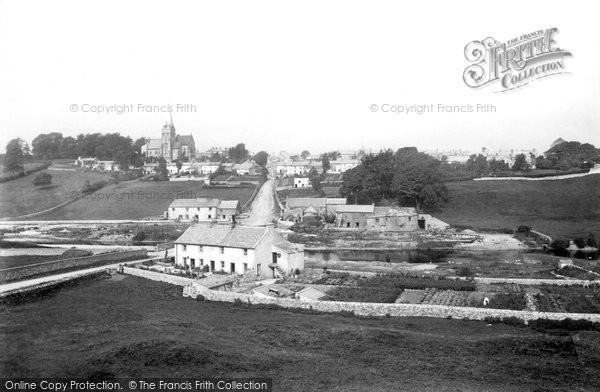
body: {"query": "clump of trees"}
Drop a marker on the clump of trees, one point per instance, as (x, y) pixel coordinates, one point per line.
(239, 154)
(407, 176)
(17, 151)
(569, 155)
(112, 146)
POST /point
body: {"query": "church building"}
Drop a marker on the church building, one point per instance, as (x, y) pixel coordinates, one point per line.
(170, 146)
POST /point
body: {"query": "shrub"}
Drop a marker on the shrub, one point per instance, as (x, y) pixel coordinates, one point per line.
(544, 325)
(523, 229)
(139, 236)
(580, 242)
(465, 271)
(43, 178)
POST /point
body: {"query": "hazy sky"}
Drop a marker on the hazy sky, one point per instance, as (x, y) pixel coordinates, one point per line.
(290, 75)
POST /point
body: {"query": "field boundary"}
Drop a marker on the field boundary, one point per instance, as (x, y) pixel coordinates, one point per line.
(548, 178)
(64, 265)
(193, 289)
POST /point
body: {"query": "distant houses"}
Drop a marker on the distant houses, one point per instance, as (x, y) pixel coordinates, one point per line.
(203, 209)
(301, 182)
(258, 251)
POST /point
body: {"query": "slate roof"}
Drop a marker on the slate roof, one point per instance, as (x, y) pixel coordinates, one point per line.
(288, 247)
(311, 294)
(336, 201)
(184, 140)
(195, 203)
(154, 144)
(229, 204)
(223, 235)
(356, 208)
(303, 202)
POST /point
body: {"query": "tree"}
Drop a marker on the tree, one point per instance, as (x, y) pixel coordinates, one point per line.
(521, 164)
(161, 169)
(13, 159)
(315, 179)
(47, 146)
(42, 179)
(325, 163)
(417, 176)
(591, 240)
(305, 154)
(261, 158)
(239, 153)
(580, 242)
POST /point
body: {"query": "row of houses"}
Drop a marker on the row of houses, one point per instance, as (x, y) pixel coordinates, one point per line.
(207, 168)
(365, 216)
(290, 168)
(234, 249)
(203, 209)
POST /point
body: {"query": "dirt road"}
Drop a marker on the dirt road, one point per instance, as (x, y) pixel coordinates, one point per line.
(262, 210)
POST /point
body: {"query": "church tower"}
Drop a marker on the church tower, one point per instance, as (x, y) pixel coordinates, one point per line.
(167, 138)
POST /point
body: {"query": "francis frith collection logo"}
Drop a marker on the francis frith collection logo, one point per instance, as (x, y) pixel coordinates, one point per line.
(516, 62)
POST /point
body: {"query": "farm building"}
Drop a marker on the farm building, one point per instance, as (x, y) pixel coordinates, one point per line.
(353, 215)
(301, 182)
(321, 205)
(203, 209)
(393, 219)
(260, 251)
(247, 168)
(341, 166)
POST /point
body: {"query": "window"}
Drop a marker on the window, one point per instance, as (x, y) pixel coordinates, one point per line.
(245, 267)
(222, 250)
(201, 262)
(201, 248)
(209, 216)
(184, 247)
(224, 216)
(222, 265)
(245, 252)
(258, 270)
(409, 218)
(376, 220)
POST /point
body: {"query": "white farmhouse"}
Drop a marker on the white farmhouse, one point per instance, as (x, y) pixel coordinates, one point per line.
(204, 209)
(301, 182)
(238, 249)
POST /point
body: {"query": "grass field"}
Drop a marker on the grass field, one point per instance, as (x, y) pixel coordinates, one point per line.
(565, 208)
(132, 327)
(20, 196)
(137, 199)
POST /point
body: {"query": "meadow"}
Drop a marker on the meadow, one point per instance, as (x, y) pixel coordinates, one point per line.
(562, 209)
(138, 199)
(21, 197)
(131, 327)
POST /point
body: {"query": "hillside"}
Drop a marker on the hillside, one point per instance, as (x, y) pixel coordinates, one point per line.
(565, 208)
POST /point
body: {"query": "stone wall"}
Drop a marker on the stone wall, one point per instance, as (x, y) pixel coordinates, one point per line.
(393, 310)
(536, 282)
(193, 289)
(28, 271)
(158, 276)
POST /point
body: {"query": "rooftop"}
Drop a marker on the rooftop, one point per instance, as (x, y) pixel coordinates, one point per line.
(356, 208)
(195, 203)
(223, 235)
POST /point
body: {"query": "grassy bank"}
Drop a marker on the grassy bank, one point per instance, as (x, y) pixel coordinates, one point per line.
(128, 326)
(566, 208)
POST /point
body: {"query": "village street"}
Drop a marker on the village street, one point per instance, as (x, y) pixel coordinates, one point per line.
(262, 210)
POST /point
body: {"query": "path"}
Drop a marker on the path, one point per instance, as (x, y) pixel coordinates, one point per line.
(23, 284)
(262, 209)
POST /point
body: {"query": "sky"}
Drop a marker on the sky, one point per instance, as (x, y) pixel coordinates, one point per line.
(290, 75)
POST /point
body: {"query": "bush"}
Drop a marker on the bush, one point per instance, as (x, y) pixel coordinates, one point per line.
(523, 229)
(560, 246)
(139, 236)
(465, 271)
(43, 178)
(543, 325)
(579, 242)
